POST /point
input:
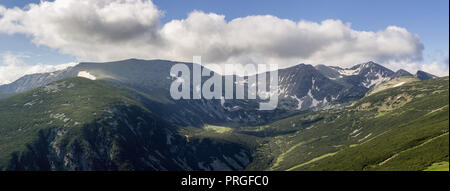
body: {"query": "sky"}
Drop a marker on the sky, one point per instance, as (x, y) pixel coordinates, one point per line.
(42, 36)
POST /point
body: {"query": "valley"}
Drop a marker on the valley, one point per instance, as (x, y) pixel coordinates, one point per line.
(122, 118)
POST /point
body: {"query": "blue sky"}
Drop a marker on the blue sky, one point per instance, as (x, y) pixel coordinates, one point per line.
(428, 19)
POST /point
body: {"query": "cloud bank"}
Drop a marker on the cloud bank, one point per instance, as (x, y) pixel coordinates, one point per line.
(105, 30)
(12, 67)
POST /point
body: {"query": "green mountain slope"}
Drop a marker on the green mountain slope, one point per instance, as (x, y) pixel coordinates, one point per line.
(402, 128)
(79, 124)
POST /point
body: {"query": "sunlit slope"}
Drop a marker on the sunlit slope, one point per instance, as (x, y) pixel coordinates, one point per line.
(401, 128)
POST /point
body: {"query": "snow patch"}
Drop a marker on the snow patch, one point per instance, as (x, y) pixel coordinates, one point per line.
(299, 101)
(87, 75)
(348, 72)
(314, 101)
(399, 84)
(379, 79)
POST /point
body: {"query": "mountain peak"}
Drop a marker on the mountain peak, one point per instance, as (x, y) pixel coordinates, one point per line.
(421, 75)
(369, 64)
(300, 65)
(401, 73)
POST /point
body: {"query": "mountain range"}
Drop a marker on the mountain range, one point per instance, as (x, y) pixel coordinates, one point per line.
(120, 116)
(301, 87)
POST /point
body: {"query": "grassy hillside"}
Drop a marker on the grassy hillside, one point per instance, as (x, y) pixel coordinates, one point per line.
(396, 82)
(63, 108)
(79, 124)
(401, 128)
(5, 95)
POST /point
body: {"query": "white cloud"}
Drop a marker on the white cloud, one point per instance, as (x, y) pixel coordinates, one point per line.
(12, 67)
(2, 10)
(435, 68)
(107, 30)
(88, 29)
(268, 39)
